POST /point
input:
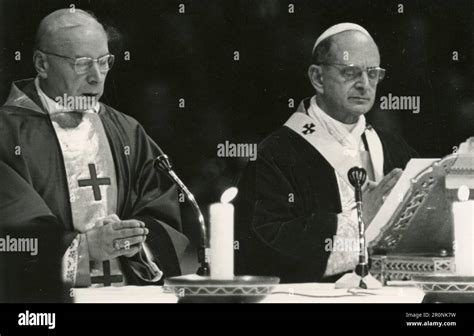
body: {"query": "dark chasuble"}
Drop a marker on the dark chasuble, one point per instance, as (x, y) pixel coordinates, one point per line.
(84, 166)
(294, 198)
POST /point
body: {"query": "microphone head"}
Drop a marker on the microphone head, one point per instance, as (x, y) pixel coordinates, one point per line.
(357, 176)
(163, 163)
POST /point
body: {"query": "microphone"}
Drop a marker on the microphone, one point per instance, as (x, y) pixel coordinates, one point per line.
(188, 288)
(361, 276)
(163, 164)
(357, 177)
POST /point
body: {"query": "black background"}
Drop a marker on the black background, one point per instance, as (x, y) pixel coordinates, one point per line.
(191, 56)
(333, 319)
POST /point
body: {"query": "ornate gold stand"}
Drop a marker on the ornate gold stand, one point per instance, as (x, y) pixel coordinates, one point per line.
(387, 268)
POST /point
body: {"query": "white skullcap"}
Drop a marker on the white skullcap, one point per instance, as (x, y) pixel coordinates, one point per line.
(339, 28)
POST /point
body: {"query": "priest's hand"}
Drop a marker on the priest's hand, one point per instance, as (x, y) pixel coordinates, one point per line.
(112, 238)
(374, 194)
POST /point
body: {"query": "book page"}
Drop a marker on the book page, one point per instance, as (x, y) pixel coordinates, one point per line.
(396, 196)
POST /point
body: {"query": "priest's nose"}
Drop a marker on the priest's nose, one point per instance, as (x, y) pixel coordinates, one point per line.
(95, 76)
(362, 83)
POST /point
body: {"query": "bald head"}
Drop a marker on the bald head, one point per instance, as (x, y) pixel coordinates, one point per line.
(57, 30)
(346, 45)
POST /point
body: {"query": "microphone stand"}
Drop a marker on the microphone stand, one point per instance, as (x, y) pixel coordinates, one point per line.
(163, 164)
(239, 289)
(361, 277)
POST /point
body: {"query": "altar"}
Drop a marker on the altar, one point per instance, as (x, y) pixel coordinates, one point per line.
(395, 292)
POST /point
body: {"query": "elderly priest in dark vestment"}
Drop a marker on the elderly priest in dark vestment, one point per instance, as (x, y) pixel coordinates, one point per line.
(296, 202)
(84, 167)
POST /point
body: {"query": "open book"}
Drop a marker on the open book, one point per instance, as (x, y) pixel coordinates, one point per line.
(396, 197)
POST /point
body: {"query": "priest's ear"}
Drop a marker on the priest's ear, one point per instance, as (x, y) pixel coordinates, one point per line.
(315, 74)
(40, 63)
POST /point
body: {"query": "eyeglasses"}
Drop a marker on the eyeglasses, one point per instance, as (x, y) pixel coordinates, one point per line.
(83, 64)
(351, 71)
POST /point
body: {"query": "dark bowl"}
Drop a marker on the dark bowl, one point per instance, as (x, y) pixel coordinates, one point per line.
(446, 288)
(241, 289)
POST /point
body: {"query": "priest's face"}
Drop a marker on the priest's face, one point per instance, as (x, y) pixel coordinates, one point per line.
(348, 94)
(62, 77)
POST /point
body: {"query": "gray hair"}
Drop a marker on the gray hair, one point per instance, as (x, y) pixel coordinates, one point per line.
(322, 52)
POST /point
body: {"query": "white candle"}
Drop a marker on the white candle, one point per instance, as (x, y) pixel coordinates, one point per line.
(463, 216)
(222, 237)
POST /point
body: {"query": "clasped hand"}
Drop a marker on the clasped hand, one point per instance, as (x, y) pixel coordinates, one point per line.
(112, 237)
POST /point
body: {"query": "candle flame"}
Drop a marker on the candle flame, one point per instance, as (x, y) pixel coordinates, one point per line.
(463, 193)
(229, 195)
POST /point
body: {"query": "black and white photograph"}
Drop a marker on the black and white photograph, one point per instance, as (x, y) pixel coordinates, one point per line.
(170, 153)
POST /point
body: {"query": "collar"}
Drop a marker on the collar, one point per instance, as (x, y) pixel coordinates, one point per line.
(349, 136)
(315, 109)
(23, 95)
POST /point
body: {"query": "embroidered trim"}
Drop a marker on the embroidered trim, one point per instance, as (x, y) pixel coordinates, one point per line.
(70, 262)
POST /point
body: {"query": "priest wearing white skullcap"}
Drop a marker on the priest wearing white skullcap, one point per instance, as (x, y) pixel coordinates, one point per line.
(296, 212)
